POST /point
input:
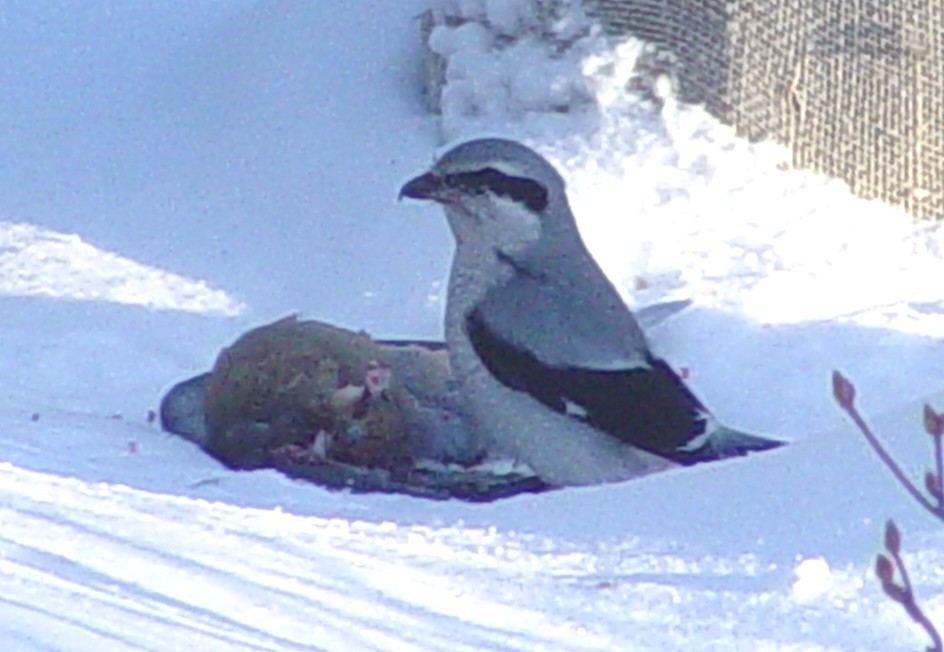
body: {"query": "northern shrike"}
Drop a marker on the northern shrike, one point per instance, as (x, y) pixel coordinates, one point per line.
(553, 365)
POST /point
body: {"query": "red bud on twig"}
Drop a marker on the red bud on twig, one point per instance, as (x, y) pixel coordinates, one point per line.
(843, 390)
(884, 569)
(892, 538)
(933, 485)
(933, 421)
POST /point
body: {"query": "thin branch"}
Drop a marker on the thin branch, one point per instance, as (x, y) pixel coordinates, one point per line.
(907, 600)
(844, 392)
(845, 396)
(934, 426)
(939, 465)
(892, 464)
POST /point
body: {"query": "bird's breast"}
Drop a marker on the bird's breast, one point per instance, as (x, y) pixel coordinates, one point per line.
(474, 272)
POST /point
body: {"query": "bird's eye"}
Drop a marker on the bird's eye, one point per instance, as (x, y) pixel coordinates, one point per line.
(526, 191)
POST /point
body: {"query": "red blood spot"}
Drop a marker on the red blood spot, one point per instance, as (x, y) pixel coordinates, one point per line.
(377, 377)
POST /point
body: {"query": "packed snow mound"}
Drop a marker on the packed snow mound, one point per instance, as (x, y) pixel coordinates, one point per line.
(40, 262)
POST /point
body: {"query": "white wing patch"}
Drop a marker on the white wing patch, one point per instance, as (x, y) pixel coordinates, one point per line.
(699, 441)
(571, 409)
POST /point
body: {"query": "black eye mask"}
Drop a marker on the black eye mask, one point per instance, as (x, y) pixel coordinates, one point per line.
(526, 191)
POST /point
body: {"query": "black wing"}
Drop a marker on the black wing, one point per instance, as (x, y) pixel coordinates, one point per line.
(646, 406)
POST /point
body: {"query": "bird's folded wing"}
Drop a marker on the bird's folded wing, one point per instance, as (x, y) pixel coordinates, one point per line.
(564, 323)
(533, 342)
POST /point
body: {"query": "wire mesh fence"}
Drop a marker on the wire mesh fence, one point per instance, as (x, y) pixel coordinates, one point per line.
(855, 88)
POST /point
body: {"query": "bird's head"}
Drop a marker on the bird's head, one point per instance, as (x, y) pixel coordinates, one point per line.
(496, 192)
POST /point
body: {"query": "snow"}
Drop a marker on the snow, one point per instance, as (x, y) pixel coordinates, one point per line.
(175, 173)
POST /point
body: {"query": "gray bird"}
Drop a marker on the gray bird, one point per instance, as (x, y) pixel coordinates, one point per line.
(554, 367)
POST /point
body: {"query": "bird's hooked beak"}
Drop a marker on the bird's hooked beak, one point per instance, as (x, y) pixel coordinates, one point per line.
(425, 186)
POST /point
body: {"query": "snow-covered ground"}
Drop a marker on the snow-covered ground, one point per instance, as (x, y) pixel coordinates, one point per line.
(174, 173)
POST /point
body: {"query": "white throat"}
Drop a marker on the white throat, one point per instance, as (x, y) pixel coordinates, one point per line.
(490, 221)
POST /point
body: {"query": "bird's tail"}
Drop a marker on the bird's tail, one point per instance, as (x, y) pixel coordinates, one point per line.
(724, 442)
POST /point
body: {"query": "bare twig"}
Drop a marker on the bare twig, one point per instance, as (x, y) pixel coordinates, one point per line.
(844, 393)
(934, 425)
(903, 593)
(939, 457)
